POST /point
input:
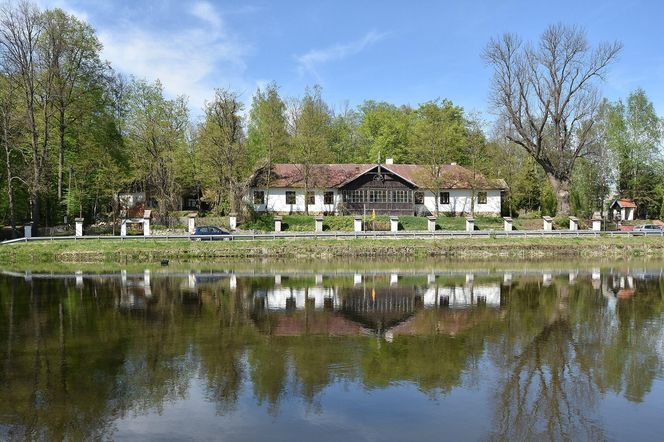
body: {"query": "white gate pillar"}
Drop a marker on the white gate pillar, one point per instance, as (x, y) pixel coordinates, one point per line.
(597, 221)
(319, 224)
(573, 223)
(191, 223)
(431, 223)
(357, 223)
(232, 221)
(123, 227)
(508, 223)
(79, 226)
(470, 224)
(27, 230)
(394, 223)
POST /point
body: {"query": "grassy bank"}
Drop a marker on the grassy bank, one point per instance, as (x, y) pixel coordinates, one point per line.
(466, 248)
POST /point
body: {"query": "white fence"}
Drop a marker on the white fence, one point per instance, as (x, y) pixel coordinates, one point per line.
(349, 235)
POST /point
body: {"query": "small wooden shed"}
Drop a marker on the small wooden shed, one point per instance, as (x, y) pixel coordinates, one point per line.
(623, 209)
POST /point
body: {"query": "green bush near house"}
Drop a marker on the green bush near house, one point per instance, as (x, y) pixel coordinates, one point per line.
(338, 223)
(263, 222)
(344, 223)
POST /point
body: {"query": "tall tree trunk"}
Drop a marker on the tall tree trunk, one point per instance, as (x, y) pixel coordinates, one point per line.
(561, 190)
(61, 156)
(36, 169)
(10, 190)
(269, 174)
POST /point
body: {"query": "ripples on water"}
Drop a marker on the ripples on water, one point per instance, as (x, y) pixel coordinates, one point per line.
(408, 353)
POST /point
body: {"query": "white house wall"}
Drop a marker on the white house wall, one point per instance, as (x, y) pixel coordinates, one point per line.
(277, 297)
(462, 296)
(460, 201)
(275, 200)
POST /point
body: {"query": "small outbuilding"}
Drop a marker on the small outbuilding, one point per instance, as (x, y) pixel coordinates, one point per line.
(623, 209)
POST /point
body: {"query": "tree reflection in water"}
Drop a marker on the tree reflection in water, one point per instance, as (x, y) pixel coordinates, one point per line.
(79, 356)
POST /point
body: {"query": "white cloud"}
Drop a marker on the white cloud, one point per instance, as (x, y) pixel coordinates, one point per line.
(187, 60)
(65, 6)
(205, 11)
(309, 61)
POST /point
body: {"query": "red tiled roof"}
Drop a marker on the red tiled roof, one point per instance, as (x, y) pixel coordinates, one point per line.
(330, 324)
(625, 203)
(626, 293)
(453, 176)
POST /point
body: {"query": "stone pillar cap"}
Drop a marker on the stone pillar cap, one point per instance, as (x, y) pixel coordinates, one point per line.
(277, 218)
(357, 217)
(431, 217)
(193, 215)
(507, 218)
(79, 220)
(394, 217)
(470, 218)
(573, 218)
(547, 218)
(319, 218)
(232, 214)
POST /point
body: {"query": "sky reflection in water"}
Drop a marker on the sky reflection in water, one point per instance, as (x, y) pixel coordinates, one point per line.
(334, 354)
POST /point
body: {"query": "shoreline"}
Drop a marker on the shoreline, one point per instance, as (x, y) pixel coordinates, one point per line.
(94, 251)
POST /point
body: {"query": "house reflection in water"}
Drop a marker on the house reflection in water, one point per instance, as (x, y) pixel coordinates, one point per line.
(281, 310)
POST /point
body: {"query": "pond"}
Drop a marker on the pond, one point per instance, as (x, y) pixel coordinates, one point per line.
(282, 351)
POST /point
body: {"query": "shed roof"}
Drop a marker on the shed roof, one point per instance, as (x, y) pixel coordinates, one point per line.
(452, 176)
(624, 203)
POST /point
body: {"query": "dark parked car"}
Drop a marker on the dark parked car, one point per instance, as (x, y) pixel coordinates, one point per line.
(210, 232)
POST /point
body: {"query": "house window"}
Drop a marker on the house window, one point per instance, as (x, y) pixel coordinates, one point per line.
(259, 197)
(353, 196)
(444, 197)
(400, 196)
(419, 197)
(192, 203)
(481, 197)
(328, 198)
(311, 198)
(290, 197)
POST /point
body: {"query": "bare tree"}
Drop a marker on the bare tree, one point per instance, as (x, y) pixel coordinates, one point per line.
(548, 98)
(20, 28)
(9, 132)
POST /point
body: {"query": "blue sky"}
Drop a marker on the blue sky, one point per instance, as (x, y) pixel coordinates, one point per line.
(401, 52)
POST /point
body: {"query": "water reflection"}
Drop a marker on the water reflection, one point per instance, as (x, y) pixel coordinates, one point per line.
(85, 352)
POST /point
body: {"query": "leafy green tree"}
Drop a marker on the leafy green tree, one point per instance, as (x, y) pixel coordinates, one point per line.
(268, 138)
(72, 52)
(385, 132)
(437, 134)
(156, 129)
(634, 133)
(224, 156)
(311, 119)
(345, 137)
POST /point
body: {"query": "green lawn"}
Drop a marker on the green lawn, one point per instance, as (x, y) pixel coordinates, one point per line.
(151, 249)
